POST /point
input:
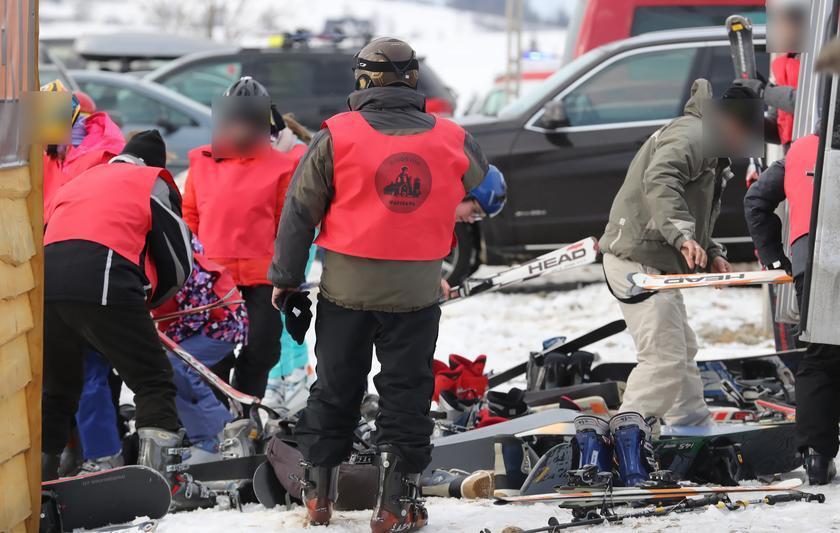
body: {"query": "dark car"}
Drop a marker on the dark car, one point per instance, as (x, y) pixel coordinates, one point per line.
(139, 105)
(312, 83)
(563, 168)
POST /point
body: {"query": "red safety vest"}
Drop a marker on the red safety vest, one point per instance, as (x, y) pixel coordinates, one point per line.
(395, 195)
(239, 203)
(109, 205)
(799, 186)
(57, 173)
(786, 72)
(222, 285)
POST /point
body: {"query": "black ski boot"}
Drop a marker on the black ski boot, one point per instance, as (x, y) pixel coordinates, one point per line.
(49, 466)
(820, 468)
(159, 450)
(320, 491)
(398, 504)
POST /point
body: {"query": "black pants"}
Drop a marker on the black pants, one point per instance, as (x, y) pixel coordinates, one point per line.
(817, 394)
(126, 337)
(258, 357)
(405, 346)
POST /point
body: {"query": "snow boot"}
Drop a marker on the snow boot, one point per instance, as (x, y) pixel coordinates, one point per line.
(633, 448)
(159, 450)
(458, 484)
(592, 435)
(320, 492)
(820, 468)
(239, 439)
(102, 463)
(49, 466)
(511, 465)
(398, 504)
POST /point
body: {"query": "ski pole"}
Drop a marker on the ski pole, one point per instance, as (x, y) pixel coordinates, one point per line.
(773, 499)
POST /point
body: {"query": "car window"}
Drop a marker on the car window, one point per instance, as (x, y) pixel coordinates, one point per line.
(204, 81)
(130, 107)
(646, 86)
(721, 71)
(286, 76)
(655, 18)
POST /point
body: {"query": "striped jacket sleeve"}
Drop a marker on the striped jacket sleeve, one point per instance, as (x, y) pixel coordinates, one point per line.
(168, 243)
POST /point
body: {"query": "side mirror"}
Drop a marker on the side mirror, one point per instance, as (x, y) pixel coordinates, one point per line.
(554, 116)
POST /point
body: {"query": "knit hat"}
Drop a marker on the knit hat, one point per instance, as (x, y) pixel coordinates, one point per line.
(149, 146)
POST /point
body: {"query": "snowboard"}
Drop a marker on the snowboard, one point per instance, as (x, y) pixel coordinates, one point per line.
(115, 496)
(578, 496)
(552, 470)
(473, 450)
(270, 493)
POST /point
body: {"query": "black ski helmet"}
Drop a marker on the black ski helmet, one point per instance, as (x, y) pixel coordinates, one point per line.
(386, 61)
(248, 86)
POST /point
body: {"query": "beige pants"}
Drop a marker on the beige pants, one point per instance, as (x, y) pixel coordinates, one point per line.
(666, 381)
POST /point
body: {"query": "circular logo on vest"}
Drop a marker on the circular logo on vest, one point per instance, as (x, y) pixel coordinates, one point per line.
(403, 182)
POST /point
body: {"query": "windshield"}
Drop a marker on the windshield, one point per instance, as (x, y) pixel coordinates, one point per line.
(548, 87)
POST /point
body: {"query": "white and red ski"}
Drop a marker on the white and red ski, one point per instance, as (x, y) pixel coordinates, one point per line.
(581, 253)
(641, 282)
(624, 494)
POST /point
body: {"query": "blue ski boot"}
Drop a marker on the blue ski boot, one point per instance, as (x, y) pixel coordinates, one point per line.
(593, 439)
(633, 448)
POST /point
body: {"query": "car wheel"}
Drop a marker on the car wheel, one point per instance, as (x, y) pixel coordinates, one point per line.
(463, 260)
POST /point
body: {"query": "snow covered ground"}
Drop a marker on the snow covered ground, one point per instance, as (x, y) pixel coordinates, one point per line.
(506, 327)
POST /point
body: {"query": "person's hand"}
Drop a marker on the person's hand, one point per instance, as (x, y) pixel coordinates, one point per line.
(278, 296)
(720, 265)
(782, 263)
(445, 288)
(694, 254)
(752, 175)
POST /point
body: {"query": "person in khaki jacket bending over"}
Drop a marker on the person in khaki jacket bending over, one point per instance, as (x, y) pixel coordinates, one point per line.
(661, 221)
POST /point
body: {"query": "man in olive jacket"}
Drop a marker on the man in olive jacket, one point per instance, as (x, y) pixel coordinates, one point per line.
(661, 221)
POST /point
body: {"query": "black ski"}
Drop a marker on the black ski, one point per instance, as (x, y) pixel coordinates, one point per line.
(605, 331)
(741, 46)
(109, 497)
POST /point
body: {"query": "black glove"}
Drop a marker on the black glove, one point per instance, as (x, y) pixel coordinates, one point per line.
(782, 263)
(756, 86)
(298, 316)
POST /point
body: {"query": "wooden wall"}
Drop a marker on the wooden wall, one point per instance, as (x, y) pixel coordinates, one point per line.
(21, 329)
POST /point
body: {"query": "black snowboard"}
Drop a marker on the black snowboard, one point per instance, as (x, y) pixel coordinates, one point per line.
(552, 470)
(110, 497)
(267, 487)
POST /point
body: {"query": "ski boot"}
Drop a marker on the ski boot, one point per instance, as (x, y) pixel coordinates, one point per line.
(511, 465)
(203, 451)
(320, 492)
(49, 466)
(458, 484)
(102, 463)
(159, 450)
(398, 504)
(633, 448)
(509, 404)
(592, 435)
(820, 468)
(239, 439)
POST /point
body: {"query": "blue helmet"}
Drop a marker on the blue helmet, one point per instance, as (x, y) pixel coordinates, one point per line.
(491, 193)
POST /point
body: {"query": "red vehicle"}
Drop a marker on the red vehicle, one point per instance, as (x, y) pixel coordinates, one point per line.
(598, 22)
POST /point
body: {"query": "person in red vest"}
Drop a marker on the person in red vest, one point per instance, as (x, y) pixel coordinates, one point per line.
(233, 205)
(384, 244)
(94, 140)
(818, 372)
(114, 245)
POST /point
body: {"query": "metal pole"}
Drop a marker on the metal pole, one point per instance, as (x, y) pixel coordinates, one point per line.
(514, 10)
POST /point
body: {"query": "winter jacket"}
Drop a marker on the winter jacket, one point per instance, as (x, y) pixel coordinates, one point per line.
(102, 141)
(237, 230)
(671, 194)
(355, 282)
(765, 227)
